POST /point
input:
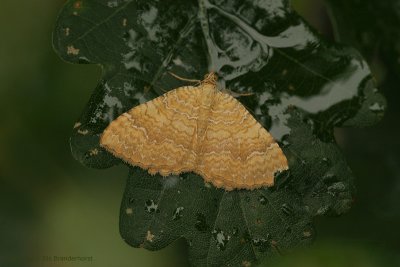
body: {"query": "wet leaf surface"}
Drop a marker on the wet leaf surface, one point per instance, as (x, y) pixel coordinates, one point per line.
(302, 87)
(372, 27)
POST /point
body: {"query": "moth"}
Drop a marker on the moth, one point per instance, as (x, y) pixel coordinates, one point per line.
(197, 129)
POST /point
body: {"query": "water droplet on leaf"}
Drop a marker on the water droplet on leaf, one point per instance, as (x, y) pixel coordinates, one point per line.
(323, 210)
(376, 107)
(263, 200)
(151, 206)
(326, 161)
(221, 238)
(178, 213)
(261, 243)
(336, 188)
(329, 178)
(287, 209)
(170, 181)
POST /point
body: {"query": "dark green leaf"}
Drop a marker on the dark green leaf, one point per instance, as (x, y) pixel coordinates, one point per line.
(372, 27)
(302, 88)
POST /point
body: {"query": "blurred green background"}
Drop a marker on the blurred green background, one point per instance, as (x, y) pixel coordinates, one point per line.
(50, 205)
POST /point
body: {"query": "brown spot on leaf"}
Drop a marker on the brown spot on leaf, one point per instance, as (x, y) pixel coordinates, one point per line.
(93, 152)
(129, 211)
(307, 234)
(149, 236)
(83, 132)
(78, 5)
(71, 50)
(77, 124)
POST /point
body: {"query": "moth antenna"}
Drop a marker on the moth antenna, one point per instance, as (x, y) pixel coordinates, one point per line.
(165, 91)
(235, 94)
(148, 88)
(184, 79)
